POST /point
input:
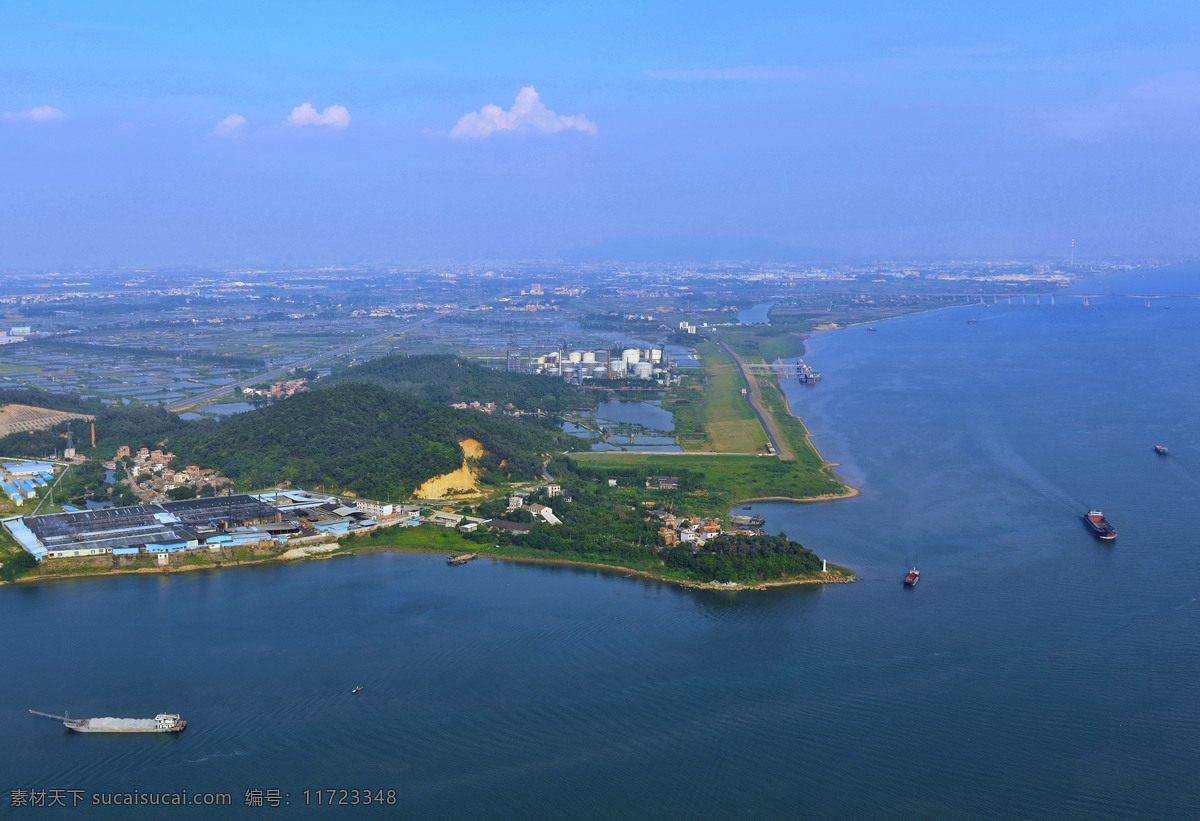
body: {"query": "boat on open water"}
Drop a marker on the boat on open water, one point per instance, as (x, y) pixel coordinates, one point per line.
(161, 723)
(1161, 450)
(912, 578)
(1101, 528)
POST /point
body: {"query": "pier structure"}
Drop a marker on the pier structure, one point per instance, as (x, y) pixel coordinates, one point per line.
(784, 371)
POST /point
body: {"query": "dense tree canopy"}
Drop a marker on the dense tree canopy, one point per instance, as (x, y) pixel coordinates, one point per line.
(443, 378)
(361, 438)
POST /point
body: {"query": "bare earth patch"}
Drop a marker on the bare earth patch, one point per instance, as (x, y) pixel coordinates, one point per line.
(457, 482)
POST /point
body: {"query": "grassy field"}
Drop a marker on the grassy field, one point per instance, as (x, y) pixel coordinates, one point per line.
(7, 368)
(434, 539)
(730, 427)
(730, 479)
(721, 412)
(765, 342)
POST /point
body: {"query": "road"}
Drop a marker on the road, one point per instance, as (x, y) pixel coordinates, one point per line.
(214, 393)
(765, 418)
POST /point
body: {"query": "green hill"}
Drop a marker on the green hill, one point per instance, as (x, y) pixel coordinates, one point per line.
(443, 378)
(365, 439)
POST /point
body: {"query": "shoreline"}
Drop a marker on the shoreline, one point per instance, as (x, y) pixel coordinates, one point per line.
(850, 493)
(627, 572)
(309, 553)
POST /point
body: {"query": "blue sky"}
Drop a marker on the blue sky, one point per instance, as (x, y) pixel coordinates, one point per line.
(311, 133)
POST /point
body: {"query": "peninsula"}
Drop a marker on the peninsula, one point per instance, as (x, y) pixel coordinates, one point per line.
(492, 475)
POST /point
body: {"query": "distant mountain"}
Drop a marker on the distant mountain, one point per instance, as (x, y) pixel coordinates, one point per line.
(693, 249)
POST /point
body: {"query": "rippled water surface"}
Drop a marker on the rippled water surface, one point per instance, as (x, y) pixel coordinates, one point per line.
(1033, 673)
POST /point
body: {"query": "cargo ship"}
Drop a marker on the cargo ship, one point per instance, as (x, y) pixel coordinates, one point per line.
(1100, 527)
(912, 578)
(161, 723)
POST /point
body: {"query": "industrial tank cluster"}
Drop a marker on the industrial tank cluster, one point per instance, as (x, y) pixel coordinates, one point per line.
(575, 366)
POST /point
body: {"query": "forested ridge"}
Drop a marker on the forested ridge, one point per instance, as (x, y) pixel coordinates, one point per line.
(444, 378)
(362, 438)
(356, 437)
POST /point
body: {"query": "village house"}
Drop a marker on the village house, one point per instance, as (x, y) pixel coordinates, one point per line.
(544, 513)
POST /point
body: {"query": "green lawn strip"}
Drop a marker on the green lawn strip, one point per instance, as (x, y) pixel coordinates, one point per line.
(728, 419)
(424, 537)
(792, 427)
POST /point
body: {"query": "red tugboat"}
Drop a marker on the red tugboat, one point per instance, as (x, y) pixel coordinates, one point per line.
(912, 578)
(1100, 527)
(1161, 450)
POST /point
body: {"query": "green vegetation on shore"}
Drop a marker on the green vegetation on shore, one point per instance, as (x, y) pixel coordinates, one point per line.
(353, 437)
(713, 483)
(374, 440)
(367, 440)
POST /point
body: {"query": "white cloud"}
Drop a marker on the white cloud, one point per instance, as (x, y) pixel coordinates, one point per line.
(231, 126)
(528, 114)
(41, 113)
(334, 116)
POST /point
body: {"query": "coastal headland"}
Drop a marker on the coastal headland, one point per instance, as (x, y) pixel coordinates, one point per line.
(661, 515)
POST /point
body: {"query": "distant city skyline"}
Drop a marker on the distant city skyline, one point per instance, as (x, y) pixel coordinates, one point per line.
(257, 134)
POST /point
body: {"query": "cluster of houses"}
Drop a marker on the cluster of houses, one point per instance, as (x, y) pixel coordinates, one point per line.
(690, 530)
(517, 501)
(540, 512)
(280, 390)
(490, 407)
(152, 464)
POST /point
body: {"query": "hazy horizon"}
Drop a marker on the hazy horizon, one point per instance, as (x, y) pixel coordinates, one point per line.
(239, 134)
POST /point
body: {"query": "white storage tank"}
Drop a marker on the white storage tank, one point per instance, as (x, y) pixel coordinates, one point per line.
(643, 370)
(630, 356)
(589, 357)
(655, 355)
(617, 368)
(575, 356)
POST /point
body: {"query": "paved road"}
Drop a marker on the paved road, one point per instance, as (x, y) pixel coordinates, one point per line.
(184, 404)
(754, 397)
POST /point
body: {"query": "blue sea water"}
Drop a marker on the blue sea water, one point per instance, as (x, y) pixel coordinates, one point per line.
(1034, 673)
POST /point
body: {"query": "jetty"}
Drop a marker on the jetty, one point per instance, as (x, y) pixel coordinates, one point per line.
(461, 558)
